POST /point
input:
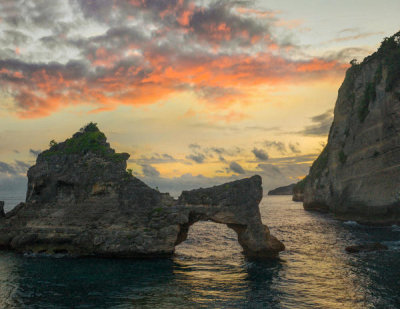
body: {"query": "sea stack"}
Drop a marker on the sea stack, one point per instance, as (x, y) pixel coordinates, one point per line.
(357, 175)
(82, 201)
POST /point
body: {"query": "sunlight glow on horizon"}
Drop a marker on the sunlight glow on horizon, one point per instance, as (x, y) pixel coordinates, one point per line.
(190, 89)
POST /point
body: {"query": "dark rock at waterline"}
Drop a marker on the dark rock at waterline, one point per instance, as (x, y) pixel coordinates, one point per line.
(285, 190)
(2, 214)
(298, 197)
(376, 246)
(81, 200)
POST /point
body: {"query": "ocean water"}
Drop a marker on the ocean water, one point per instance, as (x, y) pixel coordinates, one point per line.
(209, 271)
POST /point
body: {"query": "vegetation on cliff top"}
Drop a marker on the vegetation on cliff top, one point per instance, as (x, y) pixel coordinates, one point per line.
(88, 139)
(320, 164)
(388, 56)
(316, 169)
(389, 51)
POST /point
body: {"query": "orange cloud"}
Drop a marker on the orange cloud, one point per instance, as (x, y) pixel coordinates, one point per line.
(218, 80)
(208, 50)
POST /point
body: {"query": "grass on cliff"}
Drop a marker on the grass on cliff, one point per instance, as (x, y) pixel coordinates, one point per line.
(320, 164)
(388, 55)
(89, 139)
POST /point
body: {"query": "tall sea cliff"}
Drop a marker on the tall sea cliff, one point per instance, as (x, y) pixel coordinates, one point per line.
(357, 175)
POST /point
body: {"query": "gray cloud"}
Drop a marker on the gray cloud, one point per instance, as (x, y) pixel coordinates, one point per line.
(355, 35)
(279, 146)
(294, 148)
(19, 167)
(155, 158)
(260, 128)
(347, 54)
(34, 152)
(200, 153)
(270, 170)
(7, 169)
(22, 166)
(321, 124)
(150, 171)
(15, 37)
(236, 168)
(198, 158)
(260, 154)
(194, 146)
(204, 24)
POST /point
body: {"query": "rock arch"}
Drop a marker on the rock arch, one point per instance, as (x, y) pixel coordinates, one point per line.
(235, 204)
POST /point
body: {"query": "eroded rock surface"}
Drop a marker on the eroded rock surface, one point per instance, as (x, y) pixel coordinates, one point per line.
(82, 201)
(357, 176)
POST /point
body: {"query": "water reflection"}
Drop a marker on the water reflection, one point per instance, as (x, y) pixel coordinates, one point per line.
(318, 273)
(209, 271)
(73, 283)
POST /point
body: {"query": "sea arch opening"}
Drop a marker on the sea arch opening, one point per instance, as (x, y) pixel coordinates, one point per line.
(222, 222)
(207, 238)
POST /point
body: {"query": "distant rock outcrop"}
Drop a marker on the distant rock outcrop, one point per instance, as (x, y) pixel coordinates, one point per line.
(375, 246)
(357, 175)
(286, 190)
(81, 200)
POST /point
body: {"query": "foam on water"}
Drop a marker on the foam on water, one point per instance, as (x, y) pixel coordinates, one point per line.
(352, 223)
(395, 245)
(395, 228)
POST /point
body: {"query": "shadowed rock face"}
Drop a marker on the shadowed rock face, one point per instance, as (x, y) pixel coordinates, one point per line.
(82, 201)
(357, 176)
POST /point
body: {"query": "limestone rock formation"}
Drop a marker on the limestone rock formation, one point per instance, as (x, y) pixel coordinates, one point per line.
(357, 176)
(285, 190)
(82, 201)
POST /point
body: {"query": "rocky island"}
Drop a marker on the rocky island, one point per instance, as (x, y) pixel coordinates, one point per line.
(82, 201)
(357, 175)
(285, 190)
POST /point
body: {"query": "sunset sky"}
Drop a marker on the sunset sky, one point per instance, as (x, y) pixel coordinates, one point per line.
(198, 92)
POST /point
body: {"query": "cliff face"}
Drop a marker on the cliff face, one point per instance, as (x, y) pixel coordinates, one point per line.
(298, 191)
(82, 201)
(358, 173)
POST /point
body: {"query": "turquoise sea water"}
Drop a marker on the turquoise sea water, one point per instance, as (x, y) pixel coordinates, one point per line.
(209, 271)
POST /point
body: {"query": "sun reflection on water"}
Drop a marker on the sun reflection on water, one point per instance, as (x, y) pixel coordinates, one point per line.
(209, 271)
